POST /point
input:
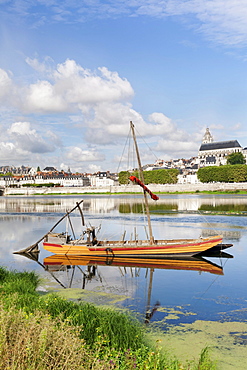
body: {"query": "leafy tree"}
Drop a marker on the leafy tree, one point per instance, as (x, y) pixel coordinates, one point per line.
(7, 174)
(123, 177)
(236, 158)
(38, 169)
(227, 173)
(152, 177)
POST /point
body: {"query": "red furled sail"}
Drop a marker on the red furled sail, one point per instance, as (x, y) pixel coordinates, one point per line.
(137, 181)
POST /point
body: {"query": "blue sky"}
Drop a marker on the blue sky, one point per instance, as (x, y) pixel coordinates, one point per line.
(74, 73)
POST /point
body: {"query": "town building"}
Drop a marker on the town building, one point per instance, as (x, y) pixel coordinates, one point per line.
(215, 153)
(17, 171)
(101, 179)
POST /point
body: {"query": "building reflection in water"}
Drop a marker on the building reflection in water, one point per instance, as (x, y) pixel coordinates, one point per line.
(106, 204)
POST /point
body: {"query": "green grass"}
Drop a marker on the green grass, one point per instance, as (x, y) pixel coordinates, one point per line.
(48, 332)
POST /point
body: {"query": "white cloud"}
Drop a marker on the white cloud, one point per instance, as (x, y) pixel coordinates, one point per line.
(110, 121)
(223, 21)
(177, 148)
(102, 107)
(42, 97)
(93, 168)
(67, 88)
(82, 86)
(6, 86)
(63, 167)
(163, 124)
(10, 152)
(216, 127)
(237, 127)
(77, 154)
(40, 67)
(160, 125)
(27, 139)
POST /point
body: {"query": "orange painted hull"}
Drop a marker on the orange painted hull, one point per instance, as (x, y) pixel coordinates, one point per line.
(140, 249)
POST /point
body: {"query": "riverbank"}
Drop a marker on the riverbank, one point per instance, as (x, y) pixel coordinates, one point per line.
(48, 332)
(122, 189)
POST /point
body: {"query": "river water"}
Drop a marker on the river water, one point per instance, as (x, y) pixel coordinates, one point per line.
(175, 293)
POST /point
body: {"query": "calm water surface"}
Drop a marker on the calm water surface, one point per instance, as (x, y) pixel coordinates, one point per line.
(180, 294)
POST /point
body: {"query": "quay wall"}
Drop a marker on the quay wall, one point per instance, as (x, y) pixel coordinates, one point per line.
(170, 188)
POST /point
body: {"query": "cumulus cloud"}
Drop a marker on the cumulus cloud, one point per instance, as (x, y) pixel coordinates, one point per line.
(110, 120)
(28, 139)
(67, 88)
(82, 86)
(42, 97)
(158, 125)
(6, 86)
(101, 105)
(23, 144)
(94, 168)
(10, 152)
(77, 154)
(177, 148)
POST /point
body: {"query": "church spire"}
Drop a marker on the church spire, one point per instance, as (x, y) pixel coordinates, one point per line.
(207, 138)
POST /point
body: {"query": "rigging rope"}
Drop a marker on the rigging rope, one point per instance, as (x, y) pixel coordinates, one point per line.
(217, 277)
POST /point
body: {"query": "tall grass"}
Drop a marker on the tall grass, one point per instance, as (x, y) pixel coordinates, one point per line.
(33, 342)
(119, 330)
(48, 332)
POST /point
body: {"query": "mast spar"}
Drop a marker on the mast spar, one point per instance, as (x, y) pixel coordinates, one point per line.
(142, 179)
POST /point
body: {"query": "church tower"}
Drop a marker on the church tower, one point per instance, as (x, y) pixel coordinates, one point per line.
(215, 153)
(207, 138)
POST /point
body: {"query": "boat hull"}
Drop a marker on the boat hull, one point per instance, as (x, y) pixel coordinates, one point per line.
(160, 249)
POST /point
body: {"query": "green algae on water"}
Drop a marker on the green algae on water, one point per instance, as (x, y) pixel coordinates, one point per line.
(101, 298)
(227, 342)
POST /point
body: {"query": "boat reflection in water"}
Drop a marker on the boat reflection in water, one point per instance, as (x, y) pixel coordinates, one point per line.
(89, 269)
(58, 262)
(60, 266)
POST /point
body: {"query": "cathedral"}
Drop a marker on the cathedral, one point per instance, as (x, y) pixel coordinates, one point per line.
(214, 153)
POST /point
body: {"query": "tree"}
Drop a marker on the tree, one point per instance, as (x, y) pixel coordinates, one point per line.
(38, 169)
(226, 173)
(236, 158)
(7, 174)
(163, 176)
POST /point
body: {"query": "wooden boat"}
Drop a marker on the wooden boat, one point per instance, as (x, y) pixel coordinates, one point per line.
(56, 243)
(184, 263)
(151, 248)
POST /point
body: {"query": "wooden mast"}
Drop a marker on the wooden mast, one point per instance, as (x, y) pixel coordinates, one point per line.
(142, 179)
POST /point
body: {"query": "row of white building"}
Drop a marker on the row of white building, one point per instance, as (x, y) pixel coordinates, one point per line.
(68, 180)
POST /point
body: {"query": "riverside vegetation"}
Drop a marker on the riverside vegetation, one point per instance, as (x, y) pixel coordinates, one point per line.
(44, 331)
(226, 173)
(164, 176)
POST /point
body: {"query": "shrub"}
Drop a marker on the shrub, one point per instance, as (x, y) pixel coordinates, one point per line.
(227, 173)
(152, 177)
